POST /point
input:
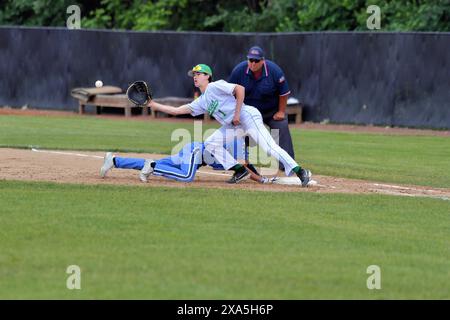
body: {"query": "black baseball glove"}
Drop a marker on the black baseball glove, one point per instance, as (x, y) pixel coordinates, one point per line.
(139, 93)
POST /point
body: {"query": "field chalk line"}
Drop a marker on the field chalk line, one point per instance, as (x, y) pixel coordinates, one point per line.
(67, 153)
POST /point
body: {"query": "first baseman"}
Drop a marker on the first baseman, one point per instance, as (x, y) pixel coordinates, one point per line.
(224, 101)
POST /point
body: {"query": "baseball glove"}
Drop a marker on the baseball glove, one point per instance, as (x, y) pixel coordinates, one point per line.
(139, 93)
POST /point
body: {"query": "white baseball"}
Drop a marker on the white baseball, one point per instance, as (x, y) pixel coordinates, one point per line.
(98, 83)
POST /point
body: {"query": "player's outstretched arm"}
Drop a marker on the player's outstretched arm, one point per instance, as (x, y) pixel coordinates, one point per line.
(184, 109)
(256, 176)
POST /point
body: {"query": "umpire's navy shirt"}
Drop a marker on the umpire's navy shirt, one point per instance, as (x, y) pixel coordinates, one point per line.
(263, 93)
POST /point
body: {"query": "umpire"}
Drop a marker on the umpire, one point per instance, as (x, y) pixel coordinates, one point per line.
(266, 89)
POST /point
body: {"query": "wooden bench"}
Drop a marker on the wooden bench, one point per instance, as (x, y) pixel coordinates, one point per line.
(107, 96)
(104, 97)
(111, 100)
(295, 109)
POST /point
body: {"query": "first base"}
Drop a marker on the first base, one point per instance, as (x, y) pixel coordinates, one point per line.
(312, 183)
(293, 181)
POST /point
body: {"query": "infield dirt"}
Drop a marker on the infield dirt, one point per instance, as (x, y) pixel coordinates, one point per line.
(82, 167)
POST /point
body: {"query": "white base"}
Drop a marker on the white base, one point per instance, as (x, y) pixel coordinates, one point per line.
(293, 181)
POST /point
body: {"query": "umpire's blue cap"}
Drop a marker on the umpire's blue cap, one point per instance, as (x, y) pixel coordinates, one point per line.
(255, 52)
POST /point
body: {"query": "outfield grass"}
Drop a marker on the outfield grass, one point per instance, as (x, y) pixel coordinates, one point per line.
(420, 160)
(166, 243)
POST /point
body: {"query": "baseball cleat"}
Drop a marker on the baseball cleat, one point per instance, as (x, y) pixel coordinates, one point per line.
(304, 176)
(146, 170)
(108, 164)
(238, 176)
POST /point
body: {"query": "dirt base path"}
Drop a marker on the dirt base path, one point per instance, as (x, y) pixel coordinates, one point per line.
(82, 167)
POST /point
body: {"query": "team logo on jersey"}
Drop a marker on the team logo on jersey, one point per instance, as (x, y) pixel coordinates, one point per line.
(212, 107)
(281, 79)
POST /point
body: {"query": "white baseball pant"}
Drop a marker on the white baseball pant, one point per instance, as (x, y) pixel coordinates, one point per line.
(252, 125)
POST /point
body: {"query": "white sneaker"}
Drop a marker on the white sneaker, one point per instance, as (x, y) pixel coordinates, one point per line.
(108, 164)
(146, 170)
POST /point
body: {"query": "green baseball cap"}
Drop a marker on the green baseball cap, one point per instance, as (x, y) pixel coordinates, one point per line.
(203, 68)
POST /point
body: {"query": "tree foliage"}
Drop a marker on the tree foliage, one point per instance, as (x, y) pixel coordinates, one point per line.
(232, 15)
(33, 13)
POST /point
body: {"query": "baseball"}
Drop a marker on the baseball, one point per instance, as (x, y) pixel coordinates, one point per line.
(98, 83)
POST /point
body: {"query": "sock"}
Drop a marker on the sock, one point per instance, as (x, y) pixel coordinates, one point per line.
(238, 168)
(297, 169)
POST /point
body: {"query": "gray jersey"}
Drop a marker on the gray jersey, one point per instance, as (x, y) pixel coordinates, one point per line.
(217, 100)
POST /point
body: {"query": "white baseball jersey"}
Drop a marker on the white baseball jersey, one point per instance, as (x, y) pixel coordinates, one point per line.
(217, 100)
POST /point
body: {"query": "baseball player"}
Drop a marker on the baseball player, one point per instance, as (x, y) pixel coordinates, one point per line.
(224, 101)
(181, 167)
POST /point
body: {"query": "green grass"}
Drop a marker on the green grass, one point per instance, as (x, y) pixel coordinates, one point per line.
(420, 160)
(166, 243)
(88, 133)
